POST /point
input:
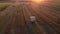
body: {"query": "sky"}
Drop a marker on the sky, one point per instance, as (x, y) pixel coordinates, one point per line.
(24, 0)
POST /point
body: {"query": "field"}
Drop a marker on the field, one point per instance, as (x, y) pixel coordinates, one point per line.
(15, 19)
(3, 6)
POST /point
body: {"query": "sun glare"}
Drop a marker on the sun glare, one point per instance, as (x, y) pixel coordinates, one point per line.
(37, 1)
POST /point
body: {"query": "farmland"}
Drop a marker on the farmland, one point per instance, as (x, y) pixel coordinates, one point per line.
(15, 18)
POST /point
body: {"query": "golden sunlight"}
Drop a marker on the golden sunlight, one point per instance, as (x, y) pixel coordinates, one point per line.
(37, 1)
